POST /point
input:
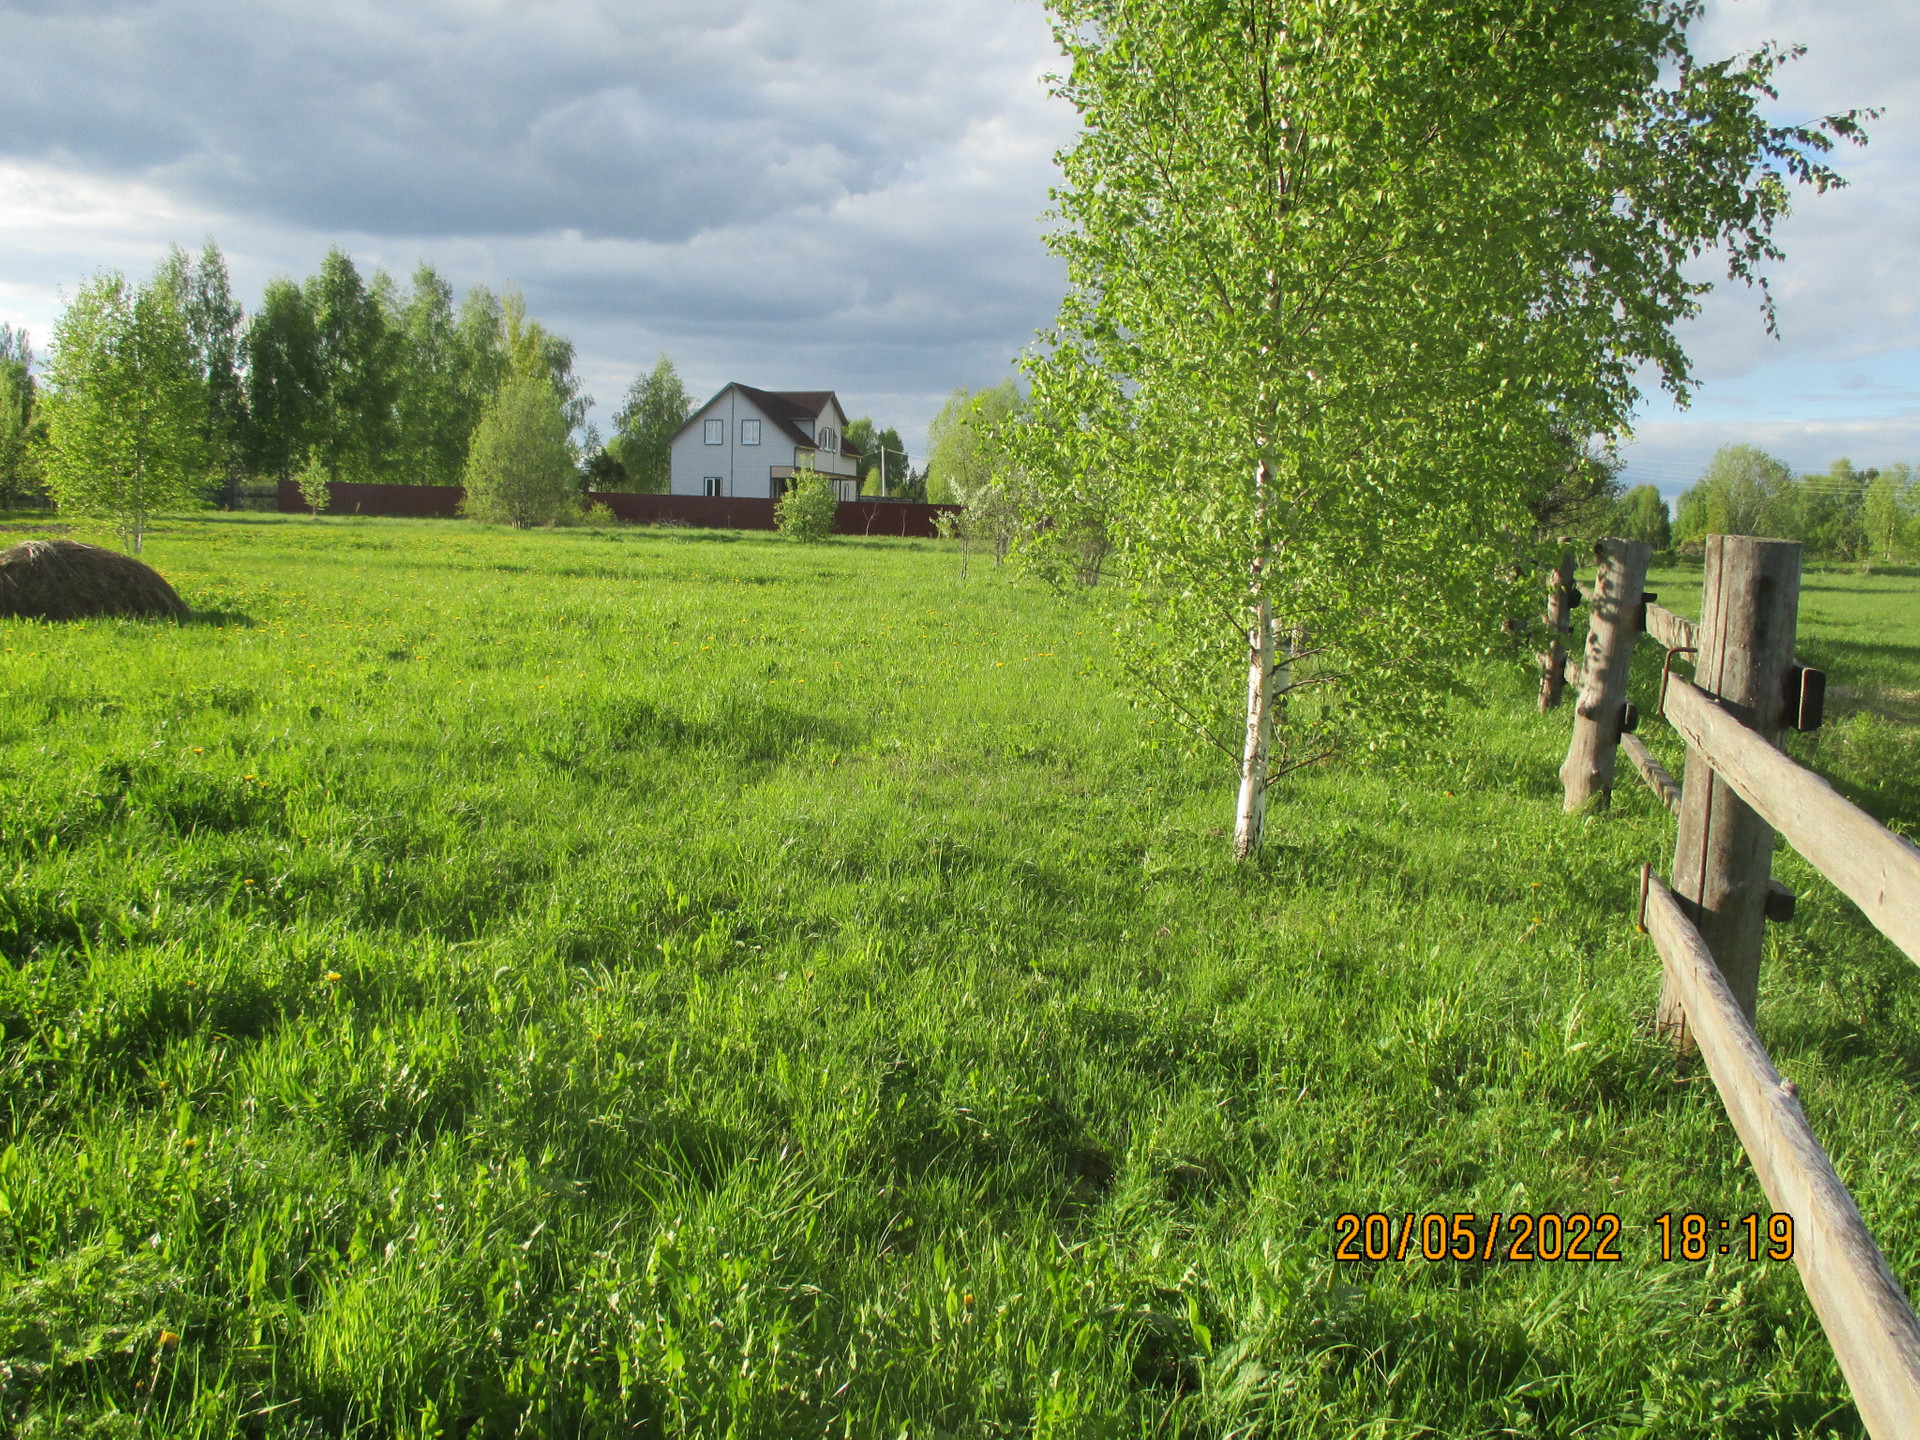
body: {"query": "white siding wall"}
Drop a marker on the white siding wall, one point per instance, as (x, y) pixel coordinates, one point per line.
(742, 468)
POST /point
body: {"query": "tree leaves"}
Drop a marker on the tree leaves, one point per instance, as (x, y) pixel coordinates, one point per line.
(1395, 254)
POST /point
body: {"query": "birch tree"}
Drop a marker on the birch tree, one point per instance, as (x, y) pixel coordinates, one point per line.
(126, 405)
(520, 468)
(1343, 274)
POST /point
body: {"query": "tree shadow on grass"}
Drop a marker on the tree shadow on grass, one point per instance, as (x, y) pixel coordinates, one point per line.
(752, 729)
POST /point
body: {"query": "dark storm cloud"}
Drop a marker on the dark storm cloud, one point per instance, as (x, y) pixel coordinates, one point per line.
(654, 121)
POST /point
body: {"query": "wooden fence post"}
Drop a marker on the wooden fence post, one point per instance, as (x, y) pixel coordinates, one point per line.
(1553, 664)
(1723, 858)
(1613, 625)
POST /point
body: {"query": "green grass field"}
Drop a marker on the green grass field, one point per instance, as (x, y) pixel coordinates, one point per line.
(657, 982)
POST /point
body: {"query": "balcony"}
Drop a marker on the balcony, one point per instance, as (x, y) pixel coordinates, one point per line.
(846, 484)
(825, 463)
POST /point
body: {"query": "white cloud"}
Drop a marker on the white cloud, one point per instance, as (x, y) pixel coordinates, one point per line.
(788, 192)
(1850, 285)
(782, 192)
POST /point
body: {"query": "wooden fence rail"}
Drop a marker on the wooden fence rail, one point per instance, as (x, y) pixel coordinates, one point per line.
(1738, 792)
(1861, 1306)
(1872, 866)
(1669, 629)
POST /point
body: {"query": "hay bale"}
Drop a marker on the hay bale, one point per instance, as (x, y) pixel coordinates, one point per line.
(65, 580)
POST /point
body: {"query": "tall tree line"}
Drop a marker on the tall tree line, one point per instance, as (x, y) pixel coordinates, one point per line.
(375, 381)
(1842, 513)
(361, 376)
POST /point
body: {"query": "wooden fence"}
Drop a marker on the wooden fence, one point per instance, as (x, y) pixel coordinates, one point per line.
(1737, 792)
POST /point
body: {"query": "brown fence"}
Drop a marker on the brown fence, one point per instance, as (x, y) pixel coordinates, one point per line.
(411, 502)
(854, 517)
(1708, 922)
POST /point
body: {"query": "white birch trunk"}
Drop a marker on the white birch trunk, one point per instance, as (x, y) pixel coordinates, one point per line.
(1282, 671)
(1250, 815)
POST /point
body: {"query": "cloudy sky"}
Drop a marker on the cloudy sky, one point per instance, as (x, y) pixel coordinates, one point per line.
(792, 193)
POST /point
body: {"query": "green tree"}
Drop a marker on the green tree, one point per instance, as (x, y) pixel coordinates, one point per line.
(482, 329)
(600, 468)
(964, 449)
(284, 385)
(216, 323)
(530, 348)
(126, 404)
(520, 469)
(23, 427)
(656, 406)
(357, 359)
(1825, 512)
(1643, 516)
(1690, 519)
(1741, 487)
(1887, 512)
(438, 394)
(1341, 276)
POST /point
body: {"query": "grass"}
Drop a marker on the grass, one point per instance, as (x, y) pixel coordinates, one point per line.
(661, 982)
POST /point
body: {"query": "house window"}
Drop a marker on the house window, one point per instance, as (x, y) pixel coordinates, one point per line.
(830, 440)
(716, 432)
(749, 432)
(713, 485)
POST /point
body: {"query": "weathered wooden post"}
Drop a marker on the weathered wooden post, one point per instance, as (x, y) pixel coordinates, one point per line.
(1553, 664)
(1723, 858)
(1600, 715)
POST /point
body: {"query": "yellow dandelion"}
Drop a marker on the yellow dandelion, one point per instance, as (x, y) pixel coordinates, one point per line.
(167, 1337)
(333, 977)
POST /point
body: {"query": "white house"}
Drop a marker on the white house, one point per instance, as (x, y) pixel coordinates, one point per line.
(747, 443)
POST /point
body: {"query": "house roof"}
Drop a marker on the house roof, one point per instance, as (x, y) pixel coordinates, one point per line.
(782, 407)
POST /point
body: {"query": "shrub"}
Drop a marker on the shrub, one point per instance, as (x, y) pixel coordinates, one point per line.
(313, 482)
(806, 511)
(520, 470)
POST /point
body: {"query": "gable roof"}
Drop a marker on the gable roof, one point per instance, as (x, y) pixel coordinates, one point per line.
(783, 408)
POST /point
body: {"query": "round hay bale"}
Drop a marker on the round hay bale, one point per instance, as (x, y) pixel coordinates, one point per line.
(65, 580)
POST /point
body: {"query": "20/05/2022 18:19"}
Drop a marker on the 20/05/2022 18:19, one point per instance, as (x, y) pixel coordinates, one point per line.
(1525, 1238)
